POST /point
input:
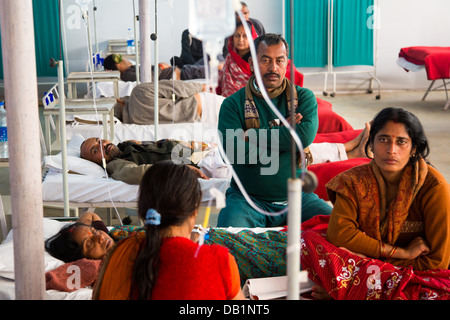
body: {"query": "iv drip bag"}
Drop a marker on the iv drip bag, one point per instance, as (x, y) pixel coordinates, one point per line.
(211, 21)
(83, 4)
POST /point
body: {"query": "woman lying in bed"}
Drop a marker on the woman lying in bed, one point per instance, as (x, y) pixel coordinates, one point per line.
(169, 199)
(87, 238)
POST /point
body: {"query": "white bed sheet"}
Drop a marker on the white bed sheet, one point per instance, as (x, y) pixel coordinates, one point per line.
(405, 64)
(106, 89)
(179, 131)
(91, 189)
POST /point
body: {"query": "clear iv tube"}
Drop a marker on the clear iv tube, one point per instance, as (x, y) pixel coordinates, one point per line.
(94, 93)
(266, 96)
(278, 114)
(211, 22)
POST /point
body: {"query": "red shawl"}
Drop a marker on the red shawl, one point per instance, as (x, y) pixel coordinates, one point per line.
(347, 276)
(236, 71)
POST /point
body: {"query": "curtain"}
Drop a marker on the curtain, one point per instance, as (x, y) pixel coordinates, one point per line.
(310, 32)
(352, 32)
(47, 37)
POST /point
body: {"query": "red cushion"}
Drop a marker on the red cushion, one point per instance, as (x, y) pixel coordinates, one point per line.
(330, 121)
(337, 137)
(326, 171)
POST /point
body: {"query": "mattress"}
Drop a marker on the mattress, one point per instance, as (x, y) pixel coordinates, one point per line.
(435, 59)
(93, 189)
(178, 131)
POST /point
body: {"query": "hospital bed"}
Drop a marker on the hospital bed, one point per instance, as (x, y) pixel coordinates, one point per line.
(436, 62)
(104, 112)
(7, 287)
(90, 188)
(254, 288)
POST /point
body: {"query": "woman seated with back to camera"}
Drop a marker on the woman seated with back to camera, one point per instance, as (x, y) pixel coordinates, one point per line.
(163, 263)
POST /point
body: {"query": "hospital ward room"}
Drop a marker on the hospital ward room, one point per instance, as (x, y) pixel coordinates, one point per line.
(261, 151)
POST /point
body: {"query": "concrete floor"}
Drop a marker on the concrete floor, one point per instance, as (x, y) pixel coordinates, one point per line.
(356, 109)
(360, 108)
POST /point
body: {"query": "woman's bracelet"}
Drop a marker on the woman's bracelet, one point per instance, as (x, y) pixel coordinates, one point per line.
(394, 249)
(382, 256)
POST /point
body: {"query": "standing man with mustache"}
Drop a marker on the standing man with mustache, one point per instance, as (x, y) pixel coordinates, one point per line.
(251, 135)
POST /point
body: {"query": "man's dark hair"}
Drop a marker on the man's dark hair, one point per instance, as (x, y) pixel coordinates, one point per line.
(271, 39)
(109, 63)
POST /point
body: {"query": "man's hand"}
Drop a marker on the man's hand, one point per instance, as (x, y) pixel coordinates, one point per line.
(198, 172)
(297, 118)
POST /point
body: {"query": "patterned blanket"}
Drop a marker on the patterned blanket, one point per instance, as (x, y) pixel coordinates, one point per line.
(347, 276)
(258, 255)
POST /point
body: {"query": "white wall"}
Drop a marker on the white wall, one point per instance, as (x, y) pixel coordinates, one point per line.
(406, 23)
(113, 18)
(403, 23)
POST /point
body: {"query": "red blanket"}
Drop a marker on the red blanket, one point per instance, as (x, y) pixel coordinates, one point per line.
(326, 171)
(73, 275)
(435, 59)
(330, 121)
(346, 276)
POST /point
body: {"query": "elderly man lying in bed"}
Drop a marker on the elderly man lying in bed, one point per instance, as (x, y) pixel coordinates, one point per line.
(129, 160)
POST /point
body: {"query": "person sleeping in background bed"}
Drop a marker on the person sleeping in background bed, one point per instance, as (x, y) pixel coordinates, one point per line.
(116, 62)
(129, 160)
(178, 102)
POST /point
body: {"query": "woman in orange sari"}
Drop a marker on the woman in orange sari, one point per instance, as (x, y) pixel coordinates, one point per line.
(392, 216)
(164, 263)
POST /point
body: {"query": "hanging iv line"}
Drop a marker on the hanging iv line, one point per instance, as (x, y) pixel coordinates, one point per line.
(84, 7)
(282, 119)
(211, 22)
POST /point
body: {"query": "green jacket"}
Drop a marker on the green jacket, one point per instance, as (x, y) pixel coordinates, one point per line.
(263, 163)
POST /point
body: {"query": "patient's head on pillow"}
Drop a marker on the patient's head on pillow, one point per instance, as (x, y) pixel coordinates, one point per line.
(77, 241)
(94, 149)
(62, 246)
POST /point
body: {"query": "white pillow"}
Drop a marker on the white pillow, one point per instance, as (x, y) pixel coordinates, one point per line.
(73, 146)
(51, 227)
(74, 162)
